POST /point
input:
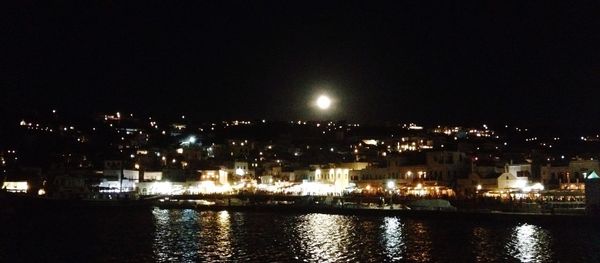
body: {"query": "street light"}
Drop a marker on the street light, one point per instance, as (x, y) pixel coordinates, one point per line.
(391, 185)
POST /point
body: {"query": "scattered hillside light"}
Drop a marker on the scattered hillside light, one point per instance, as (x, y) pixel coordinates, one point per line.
(41, 192)
(179, 150)
(478, 187)
(53, 111)
(331, 149)
(136, 166)
(183, 116)
(132, 156)
(323, 102)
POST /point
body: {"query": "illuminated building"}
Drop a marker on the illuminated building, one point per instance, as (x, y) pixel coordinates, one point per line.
(404, 172)
(241, 168)
(16, 187)
(555, 175)
(511, 181)
(478, 181)
(446, 166)
(217, 176)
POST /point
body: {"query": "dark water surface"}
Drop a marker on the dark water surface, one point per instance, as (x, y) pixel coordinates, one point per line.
(112, 235)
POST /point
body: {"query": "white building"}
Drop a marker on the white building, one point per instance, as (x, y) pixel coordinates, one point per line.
(515, 176)
(511, 181)
(339, 177)
(218, 176)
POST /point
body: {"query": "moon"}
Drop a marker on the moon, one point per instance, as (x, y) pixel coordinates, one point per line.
(323, 102)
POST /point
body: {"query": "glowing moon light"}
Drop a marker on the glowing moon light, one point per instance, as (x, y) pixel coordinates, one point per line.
(323, 102)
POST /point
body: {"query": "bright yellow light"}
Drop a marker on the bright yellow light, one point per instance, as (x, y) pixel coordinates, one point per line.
(323, 102)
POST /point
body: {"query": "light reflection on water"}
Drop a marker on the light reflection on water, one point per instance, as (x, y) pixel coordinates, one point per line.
(483, 242)
(419, 242)
(324, 238)
(530, 244)
(392, 236)
(215, 236)
(192, 236)
(175, 235)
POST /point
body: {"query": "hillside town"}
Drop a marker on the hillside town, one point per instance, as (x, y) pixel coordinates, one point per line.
(123, 152)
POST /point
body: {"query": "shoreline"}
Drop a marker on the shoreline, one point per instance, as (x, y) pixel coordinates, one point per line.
(404, 213)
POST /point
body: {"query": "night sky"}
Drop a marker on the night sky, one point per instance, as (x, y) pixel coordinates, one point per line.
(428, 62)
